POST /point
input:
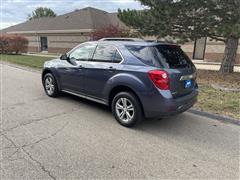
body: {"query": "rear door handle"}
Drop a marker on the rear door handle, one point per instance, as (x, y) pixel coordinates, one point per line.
(111, 68)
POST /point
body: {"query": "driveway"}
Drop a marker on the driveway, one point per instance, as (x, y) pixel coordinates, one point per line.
(71, 138)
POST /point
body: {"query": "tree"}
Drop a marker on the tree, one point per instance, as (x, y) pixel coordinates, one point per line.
(109, 31)
(41, 12)
(187, 20)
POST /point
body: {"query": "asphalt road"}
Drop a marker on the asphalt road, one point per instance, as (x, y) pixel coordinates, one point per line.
(72, 138)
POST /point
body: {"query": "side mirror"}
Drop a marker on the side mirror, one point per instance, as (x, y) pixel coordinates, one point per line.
(64, 57)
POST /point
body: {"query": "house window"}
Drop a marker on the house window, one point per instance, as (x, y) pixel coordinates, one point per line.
(199, 48)
(44, 43)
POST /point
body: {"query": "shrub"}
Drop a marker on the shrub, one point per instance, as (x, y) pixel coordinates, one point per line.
(13, 44)
(109, 31)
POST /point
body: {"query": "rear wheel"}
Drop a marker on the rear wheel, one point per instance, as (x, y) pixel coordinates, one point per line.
(126, 109)
(50, 85)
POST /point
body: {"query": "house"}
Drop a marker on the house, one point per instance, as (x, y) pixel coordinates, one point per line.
(62, 33)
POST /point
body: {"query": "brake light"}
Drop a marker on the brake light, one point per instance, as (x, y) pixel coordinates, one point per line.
(160, 79)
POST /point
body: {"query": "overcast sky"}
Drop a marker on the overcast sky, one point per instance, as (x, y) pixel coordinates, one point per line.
(16, 11)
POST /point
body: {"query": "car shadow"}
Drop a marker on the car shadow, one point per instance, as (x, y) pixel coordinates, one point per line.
(185, 127)
(173, 123)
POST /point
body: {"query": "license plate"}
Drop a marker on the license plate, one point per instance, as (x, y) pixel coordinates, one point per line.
(187, 83)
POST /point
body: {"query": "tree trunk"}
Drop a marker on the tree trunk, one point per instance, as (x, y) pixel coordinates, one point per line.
(230, 54)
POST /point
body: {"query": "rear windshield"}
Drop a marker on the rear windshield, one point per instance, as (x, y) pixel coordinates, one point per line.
(168, 56)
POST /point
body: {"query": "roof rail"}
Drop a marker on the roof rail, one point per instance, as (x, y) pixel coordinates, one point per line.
(122, 39)
(164, 42)
(157, 41)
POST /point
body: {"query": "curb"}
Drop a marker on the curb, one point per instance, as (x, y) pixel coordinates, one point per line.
(215, 116)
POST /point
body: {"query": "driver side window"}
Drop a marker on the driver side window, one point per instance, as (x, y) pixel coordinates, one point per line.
(83, 53)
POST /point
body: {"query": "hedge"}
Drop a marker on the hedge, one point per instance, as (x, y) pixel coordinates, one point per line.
(10, 44)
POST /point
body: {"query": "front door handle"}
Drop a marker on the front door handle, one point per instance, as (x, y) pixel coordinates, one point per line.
(66, 69)
(80, 67)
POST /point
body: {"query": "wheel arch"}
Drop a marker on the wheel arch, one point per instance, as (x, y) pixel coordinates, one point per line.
(46, 71)
(122, 88)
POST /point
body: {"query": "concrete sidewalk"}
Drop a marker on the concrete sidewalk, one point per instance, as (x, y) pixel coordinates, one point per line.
(211, 65)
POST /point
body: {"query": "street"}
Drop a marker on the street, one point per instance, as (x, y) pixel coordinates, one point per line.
(73, 138)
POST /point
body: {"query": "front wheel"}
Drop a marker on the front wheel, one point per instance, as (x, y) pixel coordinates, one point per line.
(50, 85)
(126, 109)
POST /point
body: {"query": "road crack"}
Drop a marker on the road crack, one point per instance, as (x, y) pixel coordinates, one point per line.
(48, 137)
(39, 164)
(34, 121)
(43, 168)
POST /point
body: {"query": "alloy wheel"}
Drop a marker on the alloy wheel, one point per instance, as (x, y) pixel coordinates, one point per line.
(124, 109)
(49, 85)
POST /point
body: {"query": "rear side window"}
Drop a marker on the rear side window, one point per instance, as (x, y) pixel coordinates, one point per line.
(168, 56)
(106, 53)
(117, 58)
(146, 54)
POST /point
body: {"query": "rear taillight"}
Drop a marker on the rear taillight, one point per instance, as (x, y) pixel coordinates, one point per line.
(160, 79)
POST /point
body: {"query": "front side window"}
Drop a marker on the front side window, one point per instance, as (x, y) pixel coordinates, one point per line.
(83, 52)
(106, 53)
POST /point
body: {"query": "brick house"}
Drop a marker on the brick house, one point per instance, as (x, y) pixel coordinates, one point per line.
(59, 34)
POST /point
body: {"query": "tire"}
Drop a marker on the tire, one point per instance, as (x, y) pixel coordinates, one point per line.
(50, 85)
(130, 113)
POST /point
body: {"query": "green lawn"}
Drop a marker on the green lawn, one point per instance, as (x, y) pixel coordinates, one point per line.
(218, 101)
(30, 61)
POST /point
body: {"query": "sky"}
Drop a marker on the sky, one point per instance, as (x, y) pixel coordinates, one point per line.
(16, 11)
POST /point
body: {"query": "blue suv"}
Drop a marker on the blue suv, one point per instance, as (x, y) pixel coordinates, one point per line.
(137, 79)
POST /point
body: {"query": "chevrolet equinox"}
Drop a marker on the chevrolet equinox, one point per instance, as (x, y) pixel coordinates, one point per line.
(136, 79)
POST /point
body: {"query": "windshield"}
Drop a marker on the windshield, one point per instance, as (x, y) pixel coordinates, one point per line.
(168, 56)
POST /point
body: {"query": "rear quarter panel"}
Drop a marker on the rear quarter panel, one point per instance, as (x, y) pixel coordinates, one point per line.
(133, 77)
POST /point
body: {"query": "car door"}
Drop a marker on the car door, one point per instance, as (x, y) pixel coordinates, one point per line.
(72, 70)
(99, 69)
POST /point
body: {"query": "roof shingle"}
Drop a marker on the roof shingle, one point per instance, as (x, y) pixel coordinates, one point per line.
(84, 19)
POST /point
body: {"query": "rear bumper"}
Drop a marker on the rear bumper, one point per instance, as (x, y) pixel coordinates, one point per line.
(159, 106)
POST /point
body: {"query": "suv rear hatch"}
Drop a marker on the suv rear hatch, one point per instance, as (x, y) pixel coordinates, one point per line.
(170, 58)
(180, 68)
